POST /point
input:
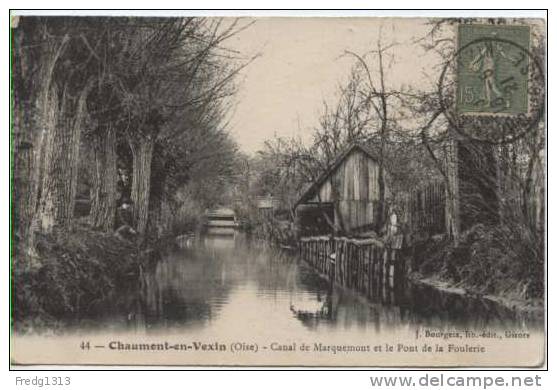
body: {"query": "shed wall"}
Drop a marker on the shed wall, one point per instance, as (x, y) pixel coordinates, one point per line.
(353, 188)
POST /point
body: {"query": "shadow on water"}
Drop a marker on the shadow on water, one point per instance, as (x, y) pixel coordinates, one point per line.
(224, 279)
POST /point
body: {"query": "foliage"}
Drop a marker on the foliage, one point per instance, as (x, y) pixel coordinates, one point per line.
(71, 277)
(499, 260)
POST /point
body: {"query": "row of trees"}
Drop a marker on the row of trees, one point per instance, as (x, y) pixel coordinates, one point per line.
(147, 96)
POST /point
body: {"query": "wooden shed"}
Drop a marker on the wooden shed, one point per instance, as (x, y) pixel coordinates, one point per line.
(345, 196)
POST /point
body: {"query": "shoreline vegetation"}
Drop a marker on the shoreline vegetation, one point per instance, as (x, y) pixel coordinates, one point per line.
(501, 263)
(77, 276)
(501, 260)
(531, 308)
(69, 276)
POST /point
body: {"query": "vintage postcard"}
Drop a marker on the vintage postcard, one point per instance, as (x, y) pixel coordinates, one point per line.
(278, 191)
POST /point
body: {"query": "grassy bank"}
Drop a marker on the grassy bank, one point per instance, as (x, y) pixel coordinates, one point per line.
(500, 262)
(69, 277)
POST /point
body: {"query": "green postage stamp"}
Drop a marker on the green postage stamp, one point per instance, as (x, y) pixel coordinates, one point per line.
(492, 69)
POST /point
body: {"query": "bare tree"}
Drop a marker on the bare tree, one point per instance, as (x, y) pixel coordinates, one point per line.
(56, 65)
(172, 66)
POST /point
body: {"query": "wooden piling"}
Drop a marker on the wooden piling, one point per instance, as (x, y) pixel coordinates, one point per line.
(363, 265)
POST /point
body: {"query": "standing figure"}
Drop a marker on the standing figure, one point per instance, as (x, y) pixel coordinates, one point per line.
(485, 63)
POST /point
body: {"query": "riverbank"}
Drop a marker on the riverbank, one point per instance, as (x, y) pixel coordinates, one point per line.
(426, 295)
(498, 265)
(69, 277)
(532, 309)
(503, 264)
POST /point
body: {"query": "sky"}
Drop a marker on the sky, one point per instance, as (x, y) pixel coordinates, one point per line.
(301, 63)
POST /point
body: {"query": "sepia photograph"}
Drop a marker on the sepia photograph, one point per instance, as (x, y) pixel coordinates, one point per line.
(277, 191)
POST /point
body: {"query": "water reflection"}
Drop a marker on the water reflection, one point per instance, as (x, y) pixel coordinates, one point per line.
(227, 281)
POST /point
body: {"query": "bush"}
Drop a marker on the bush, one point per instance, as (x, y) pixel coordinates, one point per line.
(71, 277)
(502, 259)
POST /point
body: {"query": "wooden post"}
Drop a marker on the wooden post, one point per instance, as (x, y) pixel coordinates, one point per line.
(373, 268)
(391, 268)
(397, 277)
(318, 265)
(322, 255)
(347, 264)
(379, 278)
(344, 261)
(361, 250)
(360, 267)
(368, 268)
(356, 267)
(338, 260)
(388, 271)
(363, 270)
(314, 257)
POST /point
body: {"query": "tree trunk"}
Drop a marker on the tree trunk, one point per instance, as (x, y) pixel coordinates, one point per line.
(103, 192)
(160, 216)
(142, 151)
(22, 164)
(61, 153)
(31, 124)
(381, 204)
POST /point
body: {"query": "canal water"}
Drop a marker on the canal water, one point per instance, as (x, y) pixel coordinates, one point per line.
(229, 300)
(222, 283)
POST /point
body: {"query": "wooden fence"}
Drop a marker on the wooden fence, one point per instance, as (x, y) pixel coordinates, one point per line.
(364, 265)
(427, 209)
